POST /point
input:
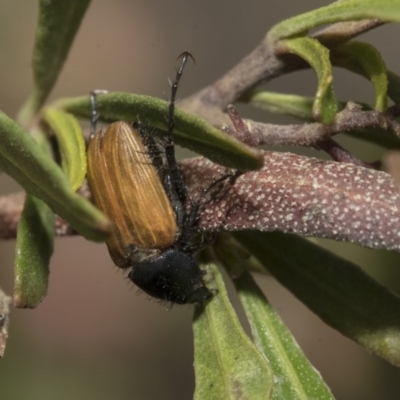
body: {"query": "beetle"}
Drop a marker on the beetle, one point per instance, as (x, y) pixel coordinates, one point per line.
(145, 197)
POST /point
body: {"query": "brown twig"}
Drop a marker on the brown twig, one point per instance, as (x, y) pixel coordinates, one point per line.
(11, 207)
(261, 66)
(338, 153)
(4, 320)
(312, 134)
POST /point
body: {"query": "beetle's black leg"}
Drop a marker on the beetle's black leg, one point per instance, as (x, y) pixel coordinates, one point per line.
(95, 114)
(193, 216)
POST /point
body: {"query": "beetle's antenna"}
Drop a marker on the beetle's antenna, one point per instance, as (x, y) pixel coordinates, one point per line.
(169, 146)
(171, 111)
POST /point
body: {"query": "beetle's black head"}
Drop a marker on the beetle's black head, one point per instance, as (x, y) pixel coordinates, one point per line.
(172, 276)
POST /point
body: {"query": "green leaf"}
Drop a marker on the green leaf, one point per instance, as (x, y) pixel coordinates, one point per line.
(23, 159)
(227, 364)
(236, 259)
(34, 247)
(280, 103)
(338, 291)
(294, 376)
(393, 86)
(311, 50)
(365, 59)
(289, 104)
(381, 137)
(57, 25)
(339, 11)
(190, 131)
(71, 144)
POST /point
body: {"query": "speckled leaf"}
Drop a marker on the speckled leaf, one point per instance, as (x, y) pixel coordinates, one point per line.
(365, 59)
(303, 195)
(311, 50)
(339, 292)
(190, 131)
(39, 175)
(391, 163)
(338, 11)
(71, 144)
(57, 25)
(227, 364)
(294, 376)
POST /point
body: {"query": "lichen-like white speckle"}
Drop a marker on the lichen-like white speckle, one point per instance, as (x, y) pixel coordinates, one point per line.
(305, 196)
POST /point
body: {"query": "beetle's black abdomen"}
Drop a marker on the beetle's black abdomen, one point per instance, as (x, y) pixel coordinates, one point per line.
(171, 276)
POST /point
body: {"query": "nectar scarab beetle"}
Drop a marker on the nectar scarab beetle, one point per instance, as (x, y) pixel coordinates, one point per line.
(144, 196)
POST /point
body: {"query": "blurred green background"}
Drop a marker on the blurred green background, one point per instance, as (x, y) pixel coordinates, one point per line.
(93, 337)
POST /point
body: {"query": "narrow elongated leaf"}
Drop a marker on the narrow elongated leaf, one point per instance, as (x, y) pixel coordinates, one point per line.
(365, 59)
(281, 103)
(312, 51)
(339, 11)
(191, 132)
(394, 86)
(71, 144)
(57, 25)
(294, 376)
(227, 364)
(290, 104)
(236, 259)
(381, 137)
(34, 247)
(339, 292)
(39, 175)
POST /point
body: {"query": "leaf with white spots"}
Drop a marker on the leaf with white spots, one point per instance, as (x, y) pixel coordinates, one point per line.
(310, 197)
